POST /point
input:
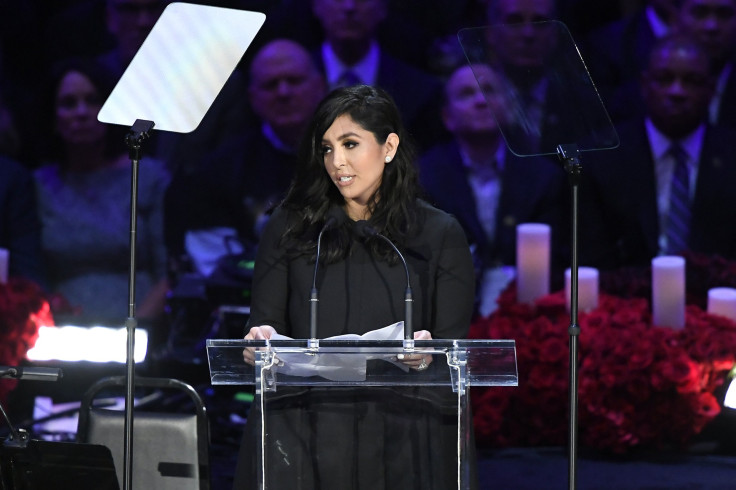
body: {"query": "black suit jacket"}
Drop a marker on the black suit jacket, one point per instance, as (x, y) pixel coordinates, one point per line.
(727, 107)
(533, 189)
(618, 211)
(20, 227)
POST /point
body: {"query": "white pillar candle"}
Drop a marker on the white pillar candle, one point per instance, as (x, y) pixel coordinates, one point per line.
(722, 301)
(532, 261)
(587, 288)
(4, 258)
(668, 291)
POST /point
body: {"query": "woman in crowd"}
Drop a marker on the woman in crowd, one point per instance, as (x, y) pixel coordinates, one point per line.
(357, 164)
(84, 204)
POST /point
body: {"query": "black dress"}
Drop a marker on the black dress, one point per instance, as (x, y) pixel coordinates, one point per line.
(351, 438)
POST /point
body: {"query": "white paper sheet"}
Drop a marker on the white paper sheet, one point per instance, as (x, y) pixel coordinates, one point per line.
(331, 364)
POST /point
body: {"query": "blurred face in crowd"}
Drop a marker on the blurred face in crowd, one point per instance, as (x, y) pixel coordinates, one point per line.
(677, 87)
(285, 86)
(77, 104)
(354, 160)
(522, 41)
(471, 103)
(349, 20)
(130, 21)
(714, 24)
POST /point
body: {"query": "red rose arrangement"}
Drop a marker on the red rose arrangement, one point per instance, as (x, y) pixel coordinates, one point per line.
(639, 386)
(23, 309)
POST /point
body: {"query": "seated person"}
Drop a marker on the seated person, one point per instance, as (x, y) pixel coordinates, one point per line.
(221, 207)
(668, 187)
(713, 22)
(84, 193)
(485, 186)
(351, 53)
(616, 54)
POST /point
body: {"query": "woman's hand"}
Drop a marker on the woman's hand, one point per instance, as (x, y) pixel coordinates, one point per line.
(420, 362)
(261, 332)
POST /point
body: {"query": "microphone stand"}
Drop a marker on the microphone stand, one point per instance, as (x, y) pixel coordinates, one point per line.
(408, 299)
(313, 343)
(365, 230)
(569, 155)
(138, 132)
(19, 437)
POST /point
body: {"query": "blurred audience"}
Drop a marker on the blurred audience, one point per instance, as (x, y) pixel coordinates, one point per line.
(668, 188)
(237, 163)
(351, 53)
(616, 54)
(543, 92)
(414, 31)
(129, 22)
(485, 186)
(84, 204)
(713, 22)
(221, 207)
(20, 230)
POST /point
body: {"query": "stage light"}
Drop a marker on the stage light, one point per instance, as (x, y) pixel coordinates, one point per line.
(730, 399)
(93, 344)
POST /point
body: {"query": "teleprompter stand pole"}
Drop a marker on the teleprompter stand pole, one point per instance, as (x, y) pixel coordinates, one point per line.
(138, 132)
(569, 156)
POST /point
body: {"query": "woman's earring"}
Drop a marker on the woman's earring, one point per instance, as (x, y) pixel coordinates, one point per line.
(388, 158)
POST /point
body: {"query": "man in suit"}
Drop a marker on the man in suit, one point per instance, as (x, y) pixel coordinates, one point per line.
(552, 98)
(487, 188)
(668, 188)
(616, 53)
(351, 54)
(713, 22)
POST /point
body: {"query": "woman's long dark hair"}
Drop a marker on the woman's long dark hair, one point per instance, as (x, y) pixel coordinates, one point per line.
(393, 207)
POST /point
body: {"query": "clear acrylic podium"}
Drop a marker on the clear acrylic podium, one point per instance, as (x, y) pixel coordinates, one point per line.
(288, 372)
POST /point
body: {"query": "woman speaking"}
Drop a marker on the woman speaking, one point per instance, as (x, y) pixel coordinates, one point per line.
(356, 167)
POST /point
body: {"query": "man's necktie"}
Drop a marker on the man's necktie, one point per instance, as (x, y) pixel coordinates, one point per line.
(678, 217)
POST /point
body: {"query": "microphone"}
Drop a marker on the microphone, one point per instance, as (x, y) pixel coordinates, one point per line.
(363, 229)
(31, 373)
(335, 216)
(19, 437)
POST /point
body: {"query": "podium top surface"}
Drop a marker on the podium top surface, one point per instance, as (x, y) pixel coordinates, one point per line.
(363, 363)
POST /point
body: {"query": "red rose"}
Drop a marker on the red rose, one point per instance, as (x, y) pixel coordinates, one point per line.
(554, 350)
(638, 385)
